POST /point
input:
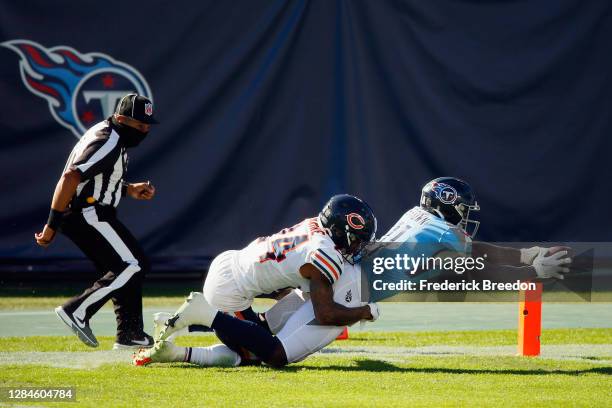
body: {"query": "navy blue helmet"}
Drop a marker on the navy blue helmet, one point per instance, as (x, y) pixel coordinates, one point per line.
(452, 200)
(351, 224)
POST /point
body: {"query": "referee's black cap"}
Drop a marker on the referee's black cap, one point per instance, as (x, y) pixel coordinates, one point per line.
(136, 107)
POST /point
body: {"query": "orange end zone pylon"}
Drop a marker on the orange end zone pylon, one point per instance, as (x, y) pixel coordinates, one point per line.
(343, 335)
(530, 321)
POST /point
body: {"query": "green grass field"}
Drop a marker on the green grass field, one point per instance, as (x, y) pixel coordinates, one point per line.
(377, 368)
(370, 369)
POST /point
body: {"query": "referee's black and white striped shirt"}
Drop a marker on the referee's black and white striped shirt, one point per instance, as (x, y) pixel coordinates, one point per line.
(101, 159)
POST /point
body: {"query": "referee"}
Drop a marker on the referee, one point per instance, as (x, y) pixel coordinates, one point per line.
(84, 209)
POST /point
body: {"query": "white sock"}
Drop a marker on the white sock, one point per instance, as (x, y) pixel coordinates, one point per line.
(217, 355)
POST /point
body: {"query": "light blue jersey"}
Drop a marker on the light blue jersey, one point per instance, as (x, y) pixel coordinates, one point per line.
(431, 233)
(417, 234)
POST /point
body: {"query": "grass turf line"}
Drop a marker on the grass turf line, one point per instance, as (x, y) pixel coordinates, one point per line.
(370, 339)
(25, 303)
(337, 381)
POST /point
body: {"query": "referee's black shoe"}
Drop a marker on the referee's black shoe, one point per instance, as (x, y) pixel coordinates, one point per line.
(141, 341)
(80, 328)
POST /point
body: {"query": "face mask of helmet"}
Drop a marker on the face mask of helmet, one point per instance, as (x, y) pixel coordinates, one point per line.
(130, 137)
(351, 245)
(459, 215)
(468, 225)
(356, 248)
(350, 223)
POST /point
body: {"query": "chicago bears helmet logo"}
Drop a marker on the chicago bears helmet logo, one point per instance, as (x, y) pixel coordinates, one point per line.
(81, 89)
(445, 193)
(355, 221)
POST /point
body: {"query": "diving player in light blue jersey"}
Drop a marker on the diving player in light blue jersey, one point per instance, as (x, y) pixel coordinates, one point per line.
(441, 227)
(443, 217)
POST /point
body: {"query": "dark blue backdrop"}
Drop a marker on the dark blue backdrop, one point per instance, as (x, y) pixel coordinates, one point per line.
(270, 107)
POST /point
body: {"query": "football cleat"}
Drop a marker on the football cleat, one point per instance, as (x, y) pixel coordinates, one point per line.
(159, 322)
(195, 311)
(80, 328)
(142, 341)
(161, 352)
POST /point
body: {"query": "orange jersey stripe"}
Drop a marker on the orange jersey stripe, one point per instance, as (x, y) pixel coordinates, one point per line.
(331, 268)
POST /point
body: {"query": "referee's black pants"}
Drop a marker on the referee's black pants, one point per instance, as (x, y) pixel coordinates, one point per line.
(119, 258)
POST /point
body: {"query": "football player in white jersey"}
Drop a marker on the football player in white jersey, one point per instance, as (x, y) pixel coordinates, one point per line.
(309, 256)
(292, 320)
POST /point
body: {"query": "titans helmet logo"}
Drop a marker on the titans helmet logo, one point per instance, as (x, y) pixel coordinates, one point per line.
(445, 193)
(81, 89)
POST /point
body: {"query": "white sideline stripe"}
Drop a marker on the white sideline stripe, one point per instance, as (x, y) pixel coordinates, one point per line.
(553, 351)
(101, 152)
(94, 359)
(119, 246)
(46, 312)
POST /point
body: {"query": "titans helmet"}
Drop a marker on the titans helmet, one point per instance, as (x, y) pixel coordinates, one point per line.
(452, 200)
(350, 223)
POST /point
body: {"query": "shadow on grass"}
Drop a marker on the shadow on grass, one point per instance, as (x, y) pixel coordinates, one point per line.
(378, 366)
(383, 366)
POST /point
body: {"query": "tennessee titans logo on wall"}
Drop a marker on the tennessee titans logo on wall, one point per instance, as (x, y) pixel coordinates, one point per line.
(81, 89)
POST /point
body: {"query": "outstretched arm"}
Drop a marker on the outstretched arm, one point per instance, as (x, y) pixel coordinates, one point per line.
(498, 255)
(524, 263)
(328, 312)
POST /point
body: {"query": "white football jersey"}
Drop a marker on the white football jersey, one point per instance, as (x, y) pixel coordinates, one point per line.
(421, 227)
(272, 263)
